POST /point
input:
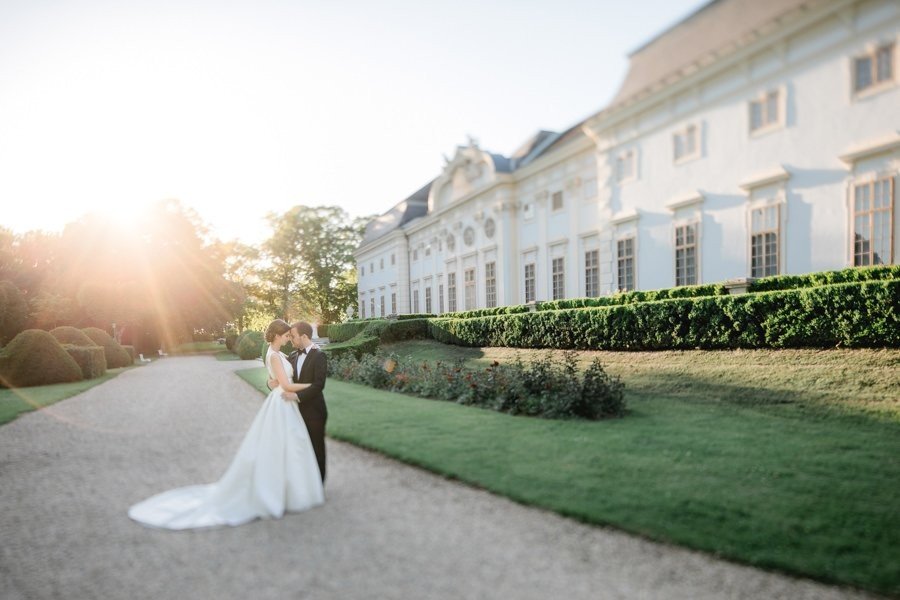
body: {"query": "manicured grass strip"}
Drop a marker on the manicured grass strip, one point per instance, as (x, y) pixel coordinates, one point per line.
(196, 347)
(226, 355)
(764, 485)
(14, 402)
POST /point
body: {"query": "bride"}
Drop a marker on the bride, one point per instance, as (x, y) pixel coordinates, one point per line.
(274, 471)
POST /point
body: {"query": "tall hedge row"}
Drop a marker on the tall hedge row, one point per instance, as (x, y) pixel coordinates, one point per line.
(850, 275)
(851, 314)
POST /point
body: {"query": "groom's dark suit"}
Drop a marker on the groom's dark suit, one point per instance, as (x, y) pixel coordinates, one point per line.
(312, 401)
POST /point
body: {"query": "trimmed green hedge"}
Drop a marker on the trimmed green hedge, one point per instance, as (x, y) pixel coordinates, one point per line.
(34, 357)
(358, 346)
(66, 334)
(369, 334)
(850, 275)
(852, 315)
(341, 332)
(90, 359)
(116, 355)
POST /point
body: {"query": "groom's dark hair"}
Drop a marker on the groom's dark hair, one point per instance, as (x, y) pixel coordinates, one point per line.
(303, 328)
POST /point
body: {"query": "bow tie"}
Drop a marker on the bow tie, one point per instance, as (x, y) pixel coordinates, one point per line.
(301, 351)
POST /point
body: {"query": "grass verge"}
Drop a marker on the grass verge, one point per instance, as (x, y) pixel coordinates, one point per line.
(14, 402)
(808, 488)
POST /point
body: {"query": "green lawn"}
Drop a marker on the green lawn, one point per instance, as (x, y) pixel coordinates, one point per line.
(198, 347)
(14, 402)
(761, 457)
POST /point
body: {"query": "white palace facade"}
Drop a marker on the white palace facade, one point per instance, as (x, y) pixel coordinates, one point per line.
(753, 138)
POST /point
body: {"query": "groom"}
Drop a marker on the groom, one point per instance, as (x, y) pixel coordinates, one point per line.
(310, 366)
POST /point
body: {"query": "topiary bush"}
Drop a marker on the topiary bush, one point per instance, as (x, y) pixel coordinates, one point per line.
(34, 357)
(116, 355)
(250, 345)
(130, 351)
(13, 311)
(231, 337)
(91, 359)
(66, 334)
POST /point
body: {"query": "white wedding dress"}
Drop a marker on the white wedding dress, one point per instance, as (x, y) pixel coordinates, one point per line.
(274, 471)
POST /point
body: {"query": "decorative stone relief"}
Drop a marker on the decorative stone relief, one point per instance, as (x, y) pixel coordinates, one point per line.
(489, 228)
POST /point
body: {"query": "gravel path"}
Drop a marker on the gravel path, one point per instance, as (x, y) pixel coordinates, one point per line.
(69, 473)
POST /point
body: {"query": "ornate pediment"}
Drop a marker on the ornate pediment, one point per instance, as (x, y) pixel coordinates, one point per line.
(470, 169)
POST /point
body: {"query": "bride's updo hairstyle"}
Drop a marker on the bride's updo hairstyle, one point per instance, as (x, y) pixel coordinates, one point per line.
(276, 327)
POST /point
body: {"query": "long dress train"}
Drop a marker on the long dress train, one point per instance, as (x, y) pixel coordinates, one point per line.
(274, 471)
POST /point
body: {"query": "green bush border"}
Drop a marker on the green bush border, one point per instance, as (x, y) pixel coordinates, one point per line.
(851, 314)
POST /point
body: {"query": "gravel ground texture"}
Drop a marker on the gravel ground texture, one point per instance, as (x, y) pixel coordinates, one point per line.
(68, 474)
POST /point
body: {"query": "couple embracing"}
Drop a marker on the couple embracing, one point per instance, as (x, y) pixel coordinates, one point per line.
(280, 465)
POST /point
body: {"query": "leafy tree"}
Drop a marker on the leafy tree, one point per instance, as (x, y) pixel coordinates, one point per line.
(50, 310)
(13, 311)
(311, 268)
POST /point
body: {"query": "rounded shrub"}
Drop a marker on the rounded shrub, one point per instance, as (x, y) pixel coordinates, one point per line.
(250, 345)
(91, 359)
(66, 334)
(116, 355)
(34, 357)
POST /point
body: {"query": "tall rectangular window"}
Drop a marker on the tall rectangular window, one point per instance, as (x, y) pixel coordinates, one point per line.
(393, 303)
(765, 111)
(441, 298)
(470, 288)
(428, 299)
(451, 291)
(559, 278)
(415, 296)
(362, 307)
(873, 218)
(625, 264)
(686, 254)
(372, 305)
(382, 306)
(874, 68)
(529, 283)
(490, 284)
(592, 273)
(764, 234)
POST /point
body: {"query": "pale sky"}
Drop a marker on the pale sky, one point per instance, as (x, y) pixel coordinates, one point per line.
(244, 107)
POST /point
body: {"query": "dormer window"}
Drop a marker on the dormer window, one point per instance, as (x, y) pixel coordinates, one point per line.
(556, 201)
(528, 211)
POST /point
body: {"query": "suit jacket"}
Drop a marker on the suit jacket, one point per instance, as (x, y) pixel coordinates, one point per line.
(313, 371)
